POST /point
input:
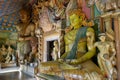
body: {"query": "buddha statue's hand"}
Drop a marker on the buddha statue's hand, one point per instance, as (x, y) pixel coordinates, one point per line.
(21, 39)
(68, 61)
(74, 61)
(60, 60)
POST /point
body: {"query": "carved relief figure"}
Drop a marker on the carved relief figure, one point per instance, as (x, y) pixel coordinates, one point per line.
(105, 57)
(76, 55)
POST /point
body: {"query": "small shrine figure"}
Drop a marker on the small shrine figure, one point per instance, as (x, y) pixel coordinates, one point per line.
(55, 52)
(106, 56)
(10, 55)
(3, 52)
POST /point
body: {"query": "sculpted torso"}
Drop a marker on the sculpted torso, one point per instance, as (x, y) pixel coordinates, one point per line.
(103, 46)
(26, 30)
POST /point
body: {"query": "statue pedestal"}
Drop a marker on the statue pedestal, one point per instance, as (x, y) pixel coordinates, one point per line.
(28, 69)
(7, 65)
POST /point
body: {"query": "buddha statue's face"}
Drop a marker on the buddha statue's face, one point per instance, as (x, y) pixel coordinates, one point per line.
(75, 20)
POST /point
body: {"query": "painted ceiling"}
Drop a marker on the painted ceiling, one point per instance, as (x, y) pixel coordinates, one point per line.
(9, 16)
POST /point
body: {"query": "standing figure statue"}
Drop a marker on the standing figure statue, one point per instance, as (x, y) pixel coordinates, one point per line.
(26, 31)
(106, 57)
(55, 52)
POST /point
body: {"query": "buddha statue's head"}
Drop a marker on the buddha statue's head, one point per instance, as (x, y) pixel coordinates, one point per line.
(76, 17)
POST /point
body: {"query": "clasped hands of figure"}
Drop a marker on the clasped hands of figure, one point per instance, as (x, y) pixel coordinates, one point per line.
(69, 61)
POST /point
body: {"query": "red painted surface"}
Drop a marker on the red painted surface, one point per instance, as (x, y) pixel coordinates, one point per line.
(85, 9)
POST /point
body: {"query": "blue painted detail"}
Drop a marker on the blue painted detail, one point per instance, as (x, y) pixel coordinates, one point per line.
(96, 11)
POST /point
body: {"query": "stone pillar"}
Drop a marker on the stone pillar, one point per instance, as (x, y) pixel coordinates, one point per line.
(117, 41)
(101, 25)
(106, 20)
(39, 35)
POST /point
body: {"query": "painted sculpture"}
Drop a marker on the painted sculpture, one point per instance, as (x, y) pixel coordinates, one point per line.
(75, 38)
(25, 31)
(106, 57)
(55, 52)
(76, 57)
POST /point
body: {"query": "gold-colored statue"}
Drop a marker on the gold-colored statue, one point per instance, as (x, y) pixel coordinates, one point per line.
(77, 37)
(77, 20)
(25, 31)
(106, 57)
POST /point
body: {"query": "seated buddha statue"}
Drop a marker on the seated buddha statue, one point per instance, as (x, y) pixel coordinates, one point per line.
(79, 49)
(75, 38)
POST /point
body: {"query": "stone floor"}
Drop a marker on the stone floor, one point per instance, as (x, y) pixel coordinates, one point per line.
(15, 76)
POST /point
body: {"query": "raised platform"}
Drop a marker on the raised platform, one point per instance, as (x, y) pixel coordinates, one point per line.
(30, 70)
(70, 72)
(7, 65)
(10, 69)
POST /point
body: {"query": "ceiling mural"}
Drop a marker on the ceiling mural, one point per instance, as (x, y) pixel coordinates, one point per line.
(9, 16)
